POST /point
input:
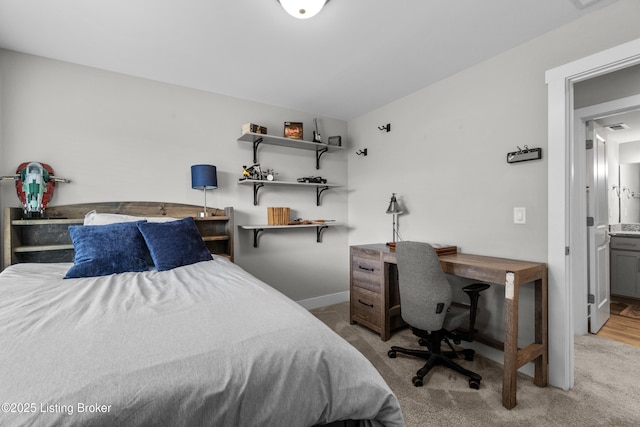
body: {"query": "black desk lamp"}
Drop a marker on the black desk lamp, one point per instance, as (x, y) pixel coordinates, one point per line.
(395, 210)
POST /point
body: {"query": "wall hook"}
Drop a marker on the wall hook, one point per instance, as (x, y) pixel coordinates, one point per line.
(523, 155)
(362, 152)
(387, 127)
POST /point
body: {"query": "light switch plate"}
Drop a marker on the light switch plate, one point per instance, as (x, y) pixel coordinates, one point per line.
(519, 215)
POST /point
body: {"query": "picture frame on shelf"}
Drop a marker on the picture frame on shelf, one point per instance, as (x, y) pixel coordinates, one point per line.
(335, 140)
(293, 130)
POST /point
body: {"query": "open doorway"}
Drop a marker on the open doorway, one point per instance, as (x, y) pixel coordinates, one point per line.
(618, 123)
(622, 132)
(567, 257)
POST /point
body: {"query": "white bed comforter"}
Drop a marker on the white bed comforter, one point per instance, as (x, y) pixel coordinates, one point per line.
(206, 344)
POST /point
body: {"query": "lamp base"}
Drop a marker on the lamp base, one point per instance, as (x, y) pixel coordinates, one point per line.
(203, 214)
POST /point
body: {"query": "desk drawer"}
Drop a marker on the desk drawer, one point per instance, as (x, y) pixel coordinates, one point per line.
(365, 306)
(372, 283)
(367, 272)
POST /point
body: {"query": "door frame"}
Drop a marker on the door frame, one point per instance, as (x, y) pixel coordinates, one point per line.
(566, 252)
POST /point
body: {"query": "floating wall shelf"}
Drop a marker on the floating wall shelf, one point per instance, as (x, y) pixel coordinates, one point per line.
(258, 184)
(257, 139)
(257, 229)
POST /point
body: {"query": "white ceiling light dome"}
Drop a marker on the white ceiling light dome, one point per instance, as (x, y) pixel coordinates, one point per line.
(303, 9)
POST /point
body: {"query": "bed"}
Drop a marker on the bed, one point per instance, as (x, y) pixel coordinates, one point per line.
(204, 343)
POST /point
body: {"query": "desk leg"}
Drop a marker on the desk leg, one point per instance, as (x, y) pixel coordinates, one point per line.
(385, 315)
(509, 383)
(541, 363)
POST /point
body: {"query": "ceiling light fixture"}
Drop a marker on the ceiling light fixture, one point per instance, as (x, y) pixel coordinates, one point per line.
(303, 9)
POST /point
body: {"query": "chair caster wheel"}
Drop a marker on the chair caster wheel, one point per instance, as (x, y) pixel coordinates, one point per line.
(417, 382)
(456, 342)
(423, 342)
(468, 357)
(391, 354)
(474, 384)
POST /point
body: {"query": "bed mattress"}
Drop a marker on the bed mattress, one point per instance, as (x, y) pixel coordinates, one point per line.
(205, 344)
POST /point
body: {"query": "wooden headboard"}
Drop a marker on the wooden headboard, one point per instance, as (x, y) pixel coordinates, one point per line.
(48, 240)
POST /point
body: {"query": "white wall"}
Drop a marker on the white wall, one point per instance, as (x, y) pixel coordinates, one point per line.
(630, 152)
(123, 138)
(446, 153)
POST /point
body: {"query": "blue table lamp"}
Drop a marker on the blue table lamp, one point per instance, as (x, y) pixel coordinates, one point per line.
(204, 177)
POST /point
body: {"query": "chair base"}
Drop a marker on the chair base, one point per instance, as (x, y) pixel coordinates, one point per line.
(439, 358)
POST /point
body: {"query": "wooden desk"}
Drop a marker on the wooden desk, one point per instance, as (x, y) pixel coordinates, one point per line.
(375, 302)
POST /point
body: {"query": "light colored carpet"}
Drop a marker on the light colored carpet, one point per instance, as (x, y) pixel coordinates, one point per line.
(606, 392)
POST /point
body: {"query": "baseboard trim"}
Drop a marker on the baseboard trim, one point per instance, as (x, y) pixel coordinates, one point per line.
(324, 300)
(496, 355)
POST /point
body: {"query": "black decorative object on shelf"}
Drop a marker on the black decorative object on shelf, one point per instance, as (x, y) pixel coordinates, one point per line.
(316, 133)
(313, 179)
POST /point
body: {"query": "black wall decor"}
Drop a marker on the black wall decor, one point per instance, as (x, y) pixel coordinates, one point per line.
(524, 155)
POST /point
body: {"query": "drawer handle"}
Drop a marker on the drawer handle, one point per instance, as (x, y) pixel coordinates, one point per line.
(365, 268)
(364, 303)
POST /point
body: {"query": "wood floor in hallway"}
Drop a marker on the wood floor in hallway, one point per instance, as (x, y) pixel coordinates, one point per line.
(623, 329)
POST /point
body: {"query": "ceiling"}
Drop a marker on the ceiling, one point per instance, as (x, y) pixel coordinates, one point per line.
(630, 118)
(354, 56)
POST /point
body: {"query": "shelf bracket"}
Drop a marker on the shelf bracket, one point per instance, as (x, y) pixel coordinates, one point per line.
(319, 191)
(319, 231)
(256, 234)
(319, 154)
(256, 187)
(256, 144)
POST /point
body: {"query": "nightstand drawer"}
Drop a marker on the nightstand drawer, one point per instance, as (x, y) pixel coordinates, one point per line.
(365, 306)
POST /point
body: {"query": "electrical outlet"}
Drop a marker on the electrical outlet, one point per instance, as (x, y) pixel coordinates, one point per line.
(519, 215)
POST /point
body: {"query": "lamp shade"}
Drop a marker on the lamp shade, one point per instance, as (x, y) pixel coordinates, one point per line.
(394, 206)
(204, 177)
(303, 9)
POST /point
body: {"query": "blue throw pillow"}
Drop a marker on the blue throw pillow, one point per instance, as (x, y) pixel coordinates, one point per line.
(101, 250)
(174, 244)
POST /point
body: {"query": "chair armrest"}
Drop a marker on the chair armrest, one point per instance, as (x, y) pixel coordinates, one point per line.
(476, 287)
(473, 290)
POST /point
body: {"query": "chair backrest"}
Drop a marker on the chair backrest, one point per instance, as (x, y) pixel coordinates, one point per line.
(425, 292)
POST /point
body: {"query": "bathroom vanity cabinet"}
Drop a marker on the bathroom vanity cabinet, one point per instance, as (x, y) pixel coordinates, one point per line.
(625, 265)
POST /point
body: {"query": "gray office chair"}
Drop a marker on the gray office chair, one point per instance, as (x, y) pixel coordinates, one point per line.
(425, 304)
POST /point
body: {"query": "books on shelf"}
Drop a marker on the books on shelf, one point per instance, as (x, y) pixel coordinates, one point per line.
(253, 128)
(278, 216)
